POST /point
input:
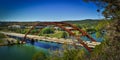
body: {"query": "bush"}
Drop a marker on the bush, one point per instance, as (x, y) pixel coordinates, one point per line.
(64, 34)
(2, 35)
(66, 54)
(46, 31)
(40, 56)
(60, 34)
(1, 41)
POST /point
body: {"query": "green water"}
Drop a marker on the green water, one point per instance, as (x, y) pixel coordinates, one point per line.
(19, 52)
(27, 51)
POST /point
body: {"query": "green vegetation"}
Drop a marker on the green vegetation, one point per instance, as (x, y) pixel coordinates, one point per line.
(24, 31)
(40, 56)
(101, 26)
(60, 34)
(47, 31)
(84, 22)
(57, 34)
(66, 54)
(1, 37)
(64, 34)
(1, 41)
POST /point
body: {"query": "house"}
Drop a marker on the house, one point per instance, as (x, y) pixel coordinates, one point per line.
(16, 26)
(69, 28)
(36, 27)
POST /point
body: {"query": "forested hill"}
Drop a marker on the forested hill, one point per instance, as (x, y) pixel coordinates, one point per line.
(87, 21)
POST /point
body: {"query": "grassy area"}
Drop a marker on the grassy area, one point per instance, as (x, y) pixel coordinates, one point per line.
(57, 34)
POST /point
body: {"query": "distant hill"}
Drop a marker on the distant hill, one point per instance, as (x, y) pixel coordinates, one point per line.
(87, 21)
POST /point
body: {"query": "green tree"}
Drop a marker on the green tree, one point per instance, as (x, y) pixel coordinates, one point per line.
(64, 34)
(47, 31)
(111, 8)
(34, 31)
(109, 49)
(40, 56)
(79, 26)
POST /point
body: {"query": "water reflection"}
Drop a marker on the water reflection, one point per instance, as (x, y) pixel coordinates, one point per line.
(32, 41)
(19, 52)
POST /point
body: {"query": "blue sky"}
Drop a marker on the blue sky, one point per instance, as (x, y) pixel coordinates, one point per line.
(47, 10)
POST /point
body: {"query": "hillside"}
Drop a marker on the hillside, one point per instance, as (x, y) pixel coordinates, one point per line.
(87, 21)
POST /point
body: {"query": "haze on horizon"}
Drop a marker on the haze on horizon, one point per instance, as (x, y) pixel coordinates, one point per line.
(47, 10)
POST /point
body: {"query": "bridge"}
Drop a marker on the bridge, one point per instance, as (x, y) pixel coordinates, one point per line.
(63, 25)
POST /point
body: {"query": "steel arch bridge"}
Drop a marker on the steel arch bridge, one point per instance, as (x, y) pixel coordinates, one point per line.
(63, 25)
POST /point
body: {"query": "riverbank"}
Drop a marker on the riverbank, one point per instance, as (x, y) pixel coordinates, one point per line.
(9, 41)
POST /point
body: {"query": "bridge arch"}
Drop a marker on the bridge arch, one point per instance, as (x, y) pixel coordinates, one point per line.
(59, 24)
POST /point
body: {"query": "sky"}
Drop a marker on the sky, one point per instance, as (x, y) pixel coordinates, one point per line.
(47, 10)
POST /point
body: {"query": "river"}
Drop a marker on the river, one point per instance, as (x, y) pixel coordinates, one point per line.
(26, 51)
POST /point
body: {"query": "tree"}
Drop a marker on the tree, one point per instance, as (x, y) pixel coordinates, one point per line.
(34, 31)
(79, 26)
(109, 49)
(111, 7)
(64, 34)
(47, 31)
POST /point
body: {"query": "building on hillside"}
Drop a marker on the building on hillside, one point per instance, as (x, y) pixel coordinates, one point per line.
(69, 28)
(16, 26)
(56, 28)
(29, 27)
(36, 27)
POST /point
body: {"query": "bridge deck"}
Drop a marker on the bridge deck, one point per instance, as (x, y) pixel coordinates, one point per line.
(56, 40)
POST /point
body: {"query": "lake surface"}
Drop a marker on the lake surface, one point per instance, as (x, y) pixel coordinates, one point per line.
(18, 52)
(27, 51)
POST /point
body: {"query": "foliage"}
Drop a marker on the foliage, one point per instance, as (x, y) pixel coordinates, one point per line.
(91, 30)
(24, 31)
(64, 34)
(66, 54)
(2, 36)
(111, 8)
(34, 31)
(46, 31)
(74, 54)
(61, 34)
(101, 27)
(1, 41)
(78, 25)
(107, 50)
(40, 56)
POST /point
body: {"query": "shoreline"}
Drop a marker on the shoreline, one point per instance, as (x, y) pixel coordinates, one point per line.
(9, 41)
